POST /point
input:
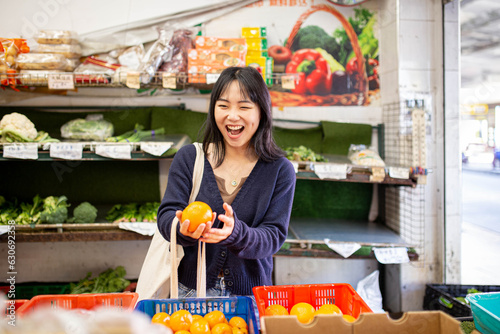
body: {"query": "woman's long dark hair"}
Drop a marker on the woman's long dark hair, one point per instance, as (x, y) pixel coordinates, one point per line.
(252, 86)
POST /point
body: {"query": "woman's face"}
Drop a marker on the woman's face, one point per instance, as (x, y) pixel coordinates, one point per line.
(237, 117)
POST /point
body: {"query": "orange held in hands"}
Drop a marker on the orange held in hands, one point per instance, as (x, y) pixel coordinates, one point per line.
(197, 213)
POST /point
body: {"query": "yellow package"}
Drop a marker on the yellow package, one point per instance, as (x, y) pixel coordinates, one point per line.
(256, 43)
(264, 65)
(253, 32)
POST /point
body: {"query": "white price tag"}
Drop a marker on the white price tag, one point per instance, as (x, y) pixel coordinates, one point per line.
(390, 255)
(345, 249)
(155, 148)
(169, 80)
(287, 82)
(134, 80)
(295, 165)
(114, 151)
(399, 172)
(21, 151)
(61, 81)
(141, 228)
(68, 151)
(212, 77)
(331, 171)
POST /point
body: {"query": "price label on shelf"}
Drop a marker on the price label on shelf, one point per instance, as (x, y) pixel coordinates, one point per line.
(156, 149)
(134, 80)
(21, 151)
(390, 255)
(68, 151)
(295, 165)
(331, 171)
(169, 80)
(378, 174)
(61, 81)
(287, 82)
(212, 77)
(399, 172)
(114, 151)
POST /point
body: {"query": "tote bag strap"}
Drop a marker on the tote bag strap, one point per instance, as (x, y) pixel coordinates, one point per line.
(199, 165)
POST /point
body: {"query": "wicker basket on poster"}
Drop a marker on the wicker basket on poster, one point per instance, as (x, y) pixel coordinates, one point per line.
(359, 96)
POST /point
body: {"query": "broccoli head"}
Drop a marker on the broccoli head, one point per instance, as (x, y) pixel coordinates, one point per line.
(312, 37)
(55, 210)
(85, 213)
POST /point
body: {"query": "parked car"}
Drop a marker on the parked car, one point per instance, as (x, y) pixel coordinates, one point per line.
(496, 158)
(477, 153)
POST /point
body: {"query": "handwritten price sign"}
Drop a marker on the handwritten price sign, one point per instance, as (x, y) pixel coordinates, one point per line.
(61, 81)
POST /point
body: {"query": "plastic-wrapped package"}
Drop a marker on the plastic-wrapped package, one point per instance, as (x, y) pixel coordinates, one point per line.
(10, 48)
(56, 37)
(130, 57)
(155, 56)
(34, 77)
(41, 61)
(360, 155)
(182, 41)
(67, 50)
(93, 127)
(71, 64)
(97, 69)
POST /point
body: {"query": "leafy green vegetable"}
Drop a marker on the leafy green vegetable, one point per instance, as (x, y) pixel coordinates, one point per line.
(302, 153)
(91, 128)
(55, 210)
(334, 65)
(360, 20)
(467, 326)
(136, 135)
(110, 280)
(84, 213)
(367, 41)
(133, 212)
(312, 37)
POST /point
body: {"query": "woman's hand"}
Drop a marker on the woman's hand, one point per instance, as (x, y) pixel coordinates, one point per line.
(202, 228)
(215, 235)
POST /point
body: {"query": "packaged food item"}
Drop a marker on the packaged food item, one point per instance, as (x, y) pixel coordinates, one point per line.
(56, 37)
(93, 127)
(253, 32)
(97, 69)
(216, 57)
(9, 50)
(182, 41)
(360, 155)
(41, 61)
(259, 43)
(229, 44)
(198, 74)
(71, 64)
(67, 50)
(263, 64)
(131, 57)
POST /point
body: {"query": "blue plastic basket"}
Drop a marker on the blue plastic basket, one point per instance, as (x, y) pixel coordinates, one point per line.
(486, 311)
(230, 306)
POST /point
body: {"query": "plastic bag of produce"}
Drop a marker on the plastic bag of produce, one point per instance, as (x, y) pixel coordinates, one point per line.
(93, 127)
(360, 155)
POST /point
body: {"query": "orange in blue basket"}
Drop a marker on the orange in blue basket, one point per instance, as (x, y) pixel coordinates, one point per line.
(238, 322)
(180, 320)
(214, 318)
(162, 318)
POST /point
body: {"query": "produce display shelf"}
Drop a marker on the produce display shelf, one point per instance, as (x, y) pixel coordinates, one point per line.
(54, 236)
(306, 238)
(134, 80)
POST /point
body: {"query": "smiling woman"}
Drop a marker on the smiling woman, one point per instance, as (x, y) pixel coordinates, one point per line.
(248, 183)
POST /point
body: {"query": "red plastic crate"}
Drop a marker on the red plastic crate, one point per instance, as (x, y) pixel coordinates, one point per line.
(122, 300)
(341, 294)
(17, 304)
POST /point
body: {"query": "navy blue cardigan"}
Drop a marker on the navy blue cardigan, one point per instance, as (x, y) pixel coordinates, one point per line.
(262, 210)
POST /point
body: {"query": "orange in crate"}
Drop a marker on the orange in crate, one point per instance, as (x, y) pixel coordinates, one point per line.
(122, 301)
(341, 294)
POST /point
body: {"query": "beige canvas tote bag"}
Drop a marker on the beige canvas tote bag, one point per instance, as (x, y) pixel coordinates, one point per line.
(158, 277)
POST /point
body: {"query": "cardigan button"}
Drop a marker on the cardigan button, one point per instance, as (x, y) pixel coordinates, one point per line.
(226, 272)
(223, 254)
(230, 283)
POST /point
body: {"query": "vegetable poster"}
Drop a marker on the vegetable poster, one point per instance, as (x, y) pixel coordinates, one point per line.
(324, 54)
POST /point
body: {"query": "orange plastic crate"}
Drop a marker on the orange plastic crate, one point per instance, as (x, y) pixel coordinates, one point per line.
(17, 304)
(122, 300)
(341, 294)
